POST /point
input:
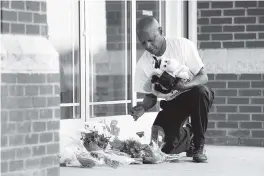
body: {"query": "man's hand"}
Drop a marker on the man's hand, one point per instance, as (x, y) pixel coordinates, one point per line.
(137, 111)
(180, 86)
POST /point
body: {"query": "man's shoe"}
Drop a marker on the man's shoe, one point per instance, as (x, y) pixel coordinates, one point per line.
(199, 155)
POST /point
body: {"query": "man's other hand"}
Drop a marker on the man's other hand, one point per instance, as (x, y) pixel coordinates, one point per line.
(137, 111)
(180, 86)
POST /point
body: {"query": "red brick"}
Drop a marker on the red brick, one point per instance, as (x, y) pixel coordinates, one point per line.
(257, 117)
(238, 84)
(23, 152)
(38, 102)
(257, 101)
(226, 92)
(39, 18)
(238, 117)
(217, 84)
(52, 78)
(227, 124)
(4, 141)
(257, 84)
(222, 141)
(255, 92)
(226, 108)
(25, 17)
(53, 101)
(43, 6)
(45, 114)
(32, 114)
(239, 133)
(16, 165)
(210, 13)
(251, 142)
(211, 125)
(53, 125)
(57, 113)
(55, 171)
(24, 127)
(215, 133)
(20, 5)
(18, 28)
(33, 5)
(220, 100)
(4, 116)
(250, 125)
(16, 90)
(234, 12)
(221, 5)
(56, 90)
(39, 150)
(238, 101)
(8, 78)
(16, 140)
(32, 163)
(202, 5)
(53, 148)
(39, 126)
(4, 167)
(46, 161)
(9, 15)
(258, 133)
(217, 116)
(56, 136)
(8, 128)
(245, 4)
(32, 139)
(46, 137)
(8, 154)
(32, 29)
(249, 108)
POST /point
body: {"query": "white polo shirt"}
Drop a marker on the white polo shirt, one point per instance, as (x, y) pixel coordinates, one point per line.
(181, 49)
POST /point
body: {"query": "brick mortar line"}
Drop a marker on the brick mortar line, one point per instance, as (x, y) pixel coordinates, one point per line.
(23, 10)
(25, 23)
(29, 145)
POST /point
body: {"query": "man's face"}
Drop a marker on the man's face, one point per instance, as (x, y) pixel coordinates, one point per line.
(151, 40)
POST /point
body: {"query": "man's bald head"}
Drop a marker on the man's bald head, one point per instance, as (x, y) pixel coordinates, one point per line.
(146, 24)
(150, 36)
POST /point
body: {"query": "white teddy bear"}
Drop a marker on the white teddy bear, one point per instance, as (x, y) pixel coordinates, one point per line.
(174, 68)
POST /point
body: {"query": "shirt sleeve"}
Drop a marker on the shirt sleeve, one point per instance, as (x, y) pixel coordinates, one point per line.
(193, 60)
(142, 82)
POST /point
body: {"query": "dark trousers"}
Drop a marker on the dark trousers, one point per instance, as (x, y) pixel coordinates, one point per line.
(194, 103)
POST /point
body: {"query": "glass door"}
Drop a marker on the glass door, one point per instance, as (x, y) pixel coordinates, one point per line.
(112, 51)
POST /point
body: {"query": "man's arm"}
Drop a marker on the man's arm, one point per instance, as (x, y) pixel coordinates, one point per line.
(200, 79)
(149, 101)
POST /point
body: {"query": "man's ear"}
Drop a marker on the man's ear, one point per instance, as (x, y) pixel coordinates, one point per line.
(160, 30)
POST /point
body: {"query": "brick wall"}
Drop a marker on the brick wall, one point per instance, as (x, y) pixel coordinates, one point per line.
(237, 116)
(30, 124)
(30, 111)
(24, 17)
(230, 24)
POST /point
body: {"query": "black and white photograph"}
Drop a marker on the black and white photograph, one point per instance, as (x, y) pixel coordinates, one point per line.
(132, 87)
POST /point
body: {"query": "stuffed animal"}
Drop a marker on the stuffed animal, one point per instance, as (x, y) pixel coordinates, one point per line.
(169, 73)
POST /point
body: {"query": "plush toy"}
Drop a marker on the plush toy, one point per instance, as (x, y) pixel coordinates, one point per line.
(169, 73)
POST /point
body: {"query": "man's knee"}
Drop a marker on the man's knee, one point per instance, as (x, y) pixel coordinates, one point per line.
(203, 91)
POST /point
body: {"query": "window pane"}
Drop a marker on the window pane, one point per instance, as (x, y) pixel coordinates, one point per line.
(150, 8)
(105, 110)
(110, 59)
(68, 113)
(63, 33)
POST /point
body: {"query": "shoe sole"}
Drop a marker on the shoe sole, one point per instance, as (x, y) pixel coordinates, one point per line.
(199, 160)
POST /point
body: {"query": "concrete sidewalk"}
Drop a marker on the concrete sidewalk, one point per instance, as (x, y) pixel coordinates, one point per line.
(222, 161)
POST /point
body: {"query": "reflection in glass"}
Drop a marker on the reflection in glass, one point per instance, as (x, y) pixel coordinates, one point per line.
(109, 62)
(63, 33)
